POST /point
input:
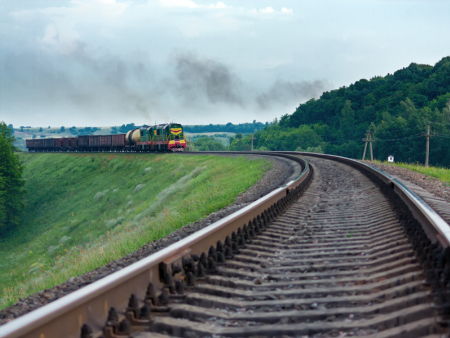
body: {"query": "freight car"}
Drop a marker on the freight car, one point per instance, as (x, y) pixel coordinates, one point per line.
(118, 142)
(161, 137)
(36, 145)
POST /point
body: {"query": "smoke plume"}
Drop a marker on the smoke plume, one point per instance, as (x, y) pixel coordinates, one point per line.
(291, 93)
(208, 79)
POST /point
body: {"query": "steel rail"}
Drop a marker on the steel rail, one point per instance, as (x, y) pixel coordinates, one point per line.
(436, 228)
(90, 304)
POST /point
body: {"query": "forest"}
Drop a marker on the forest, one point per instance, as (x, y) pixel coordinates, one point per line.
(395, 108)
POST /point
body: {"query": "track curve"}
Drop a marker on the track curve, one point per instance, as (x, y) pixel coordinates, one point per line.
(338, 255)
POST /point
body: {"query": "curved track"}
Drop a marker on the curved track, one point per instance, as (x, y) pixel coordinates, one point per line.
(335, 253)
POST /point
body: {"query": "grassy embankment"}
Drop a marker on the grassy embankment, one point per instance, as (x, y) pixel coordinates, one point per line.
(83, 211)
(442, 174)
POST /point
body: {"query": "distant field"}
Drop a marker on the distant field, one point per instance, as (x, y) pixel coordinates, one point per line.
(85, 210)
(224, 138)
(442, 174)
(52, 132)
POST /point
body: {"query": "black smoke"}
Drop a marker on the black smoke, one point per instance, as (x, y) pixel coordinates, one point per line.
(291, 93)
(203, 78)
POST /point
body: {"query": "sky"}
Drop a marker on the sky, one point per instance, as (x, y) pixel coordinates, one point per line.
(110, 62)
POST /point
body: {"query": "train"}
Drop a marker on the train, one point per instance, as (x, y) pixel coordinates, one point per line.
(168, 137)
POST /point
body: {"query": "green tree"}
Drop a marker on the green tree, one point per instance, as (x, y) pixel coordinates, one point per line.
(347, 120)
(11, 182)
(208, 144)
(240, 143)
(8, 134)
(446, 111)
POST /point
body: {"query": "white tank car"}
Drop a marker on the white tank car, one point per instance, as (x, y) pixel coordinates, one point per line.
(133, 136)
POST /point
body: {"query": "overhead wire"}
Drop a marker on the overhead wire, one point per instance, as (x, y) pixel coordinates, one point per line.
(443, 124)
(397, 139)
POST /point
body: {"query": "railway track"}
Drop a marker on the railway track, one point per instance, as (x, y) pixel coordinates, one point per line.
(340, 251)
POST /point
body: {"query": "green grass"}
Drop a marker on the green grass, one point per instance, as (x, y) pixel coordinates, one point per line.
(85, 210)
(442, 174)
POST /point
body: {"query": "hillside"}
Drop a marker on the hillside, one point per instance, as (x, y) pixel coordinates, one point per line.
(84, 210)
(396, 108)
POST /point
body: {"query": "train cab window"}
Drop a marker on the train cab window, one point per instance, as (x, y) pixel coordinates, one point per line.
(142, 132)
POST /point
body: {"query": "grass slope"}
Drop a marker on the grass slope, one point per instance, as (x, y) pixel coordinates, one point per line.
(85, 210)
(442, 174)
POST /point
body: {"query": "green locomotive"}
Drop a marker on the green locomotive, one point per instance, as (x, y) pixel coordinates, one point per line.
(160, 137)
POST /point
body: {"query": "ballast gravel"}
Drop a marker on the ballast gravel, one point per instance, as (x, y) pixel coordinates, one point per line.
(430, 184)
(282, 171)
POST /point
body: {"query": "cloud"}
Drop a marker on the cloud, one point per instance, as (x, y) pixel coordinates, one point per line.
(178, 3)
(60, 36)
(219, 5)
(106, 2)
(50, 35)
(190, 4)
(269, 10)
(266, 10)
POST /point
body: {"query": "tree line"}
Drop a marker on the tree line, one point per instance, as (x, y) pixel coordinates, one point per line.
(11, 182)
(225, 128)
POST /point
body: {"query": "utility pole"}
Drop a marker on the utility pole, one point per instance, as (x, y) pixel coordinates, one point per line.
(369, 140)
(252, 141)
(427, 135)
(189, 144)
(370, 144)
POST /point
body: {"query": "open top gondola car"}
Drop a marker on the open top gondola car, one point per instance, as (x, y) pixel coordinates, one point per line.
(58, 144)
(39, 145)
(161, 137)
(30, 144)
(69, 144)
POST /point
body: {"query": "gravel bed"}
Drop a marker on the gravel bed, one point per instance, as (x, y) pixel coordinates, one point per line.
(430, 184)
(282, 171)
